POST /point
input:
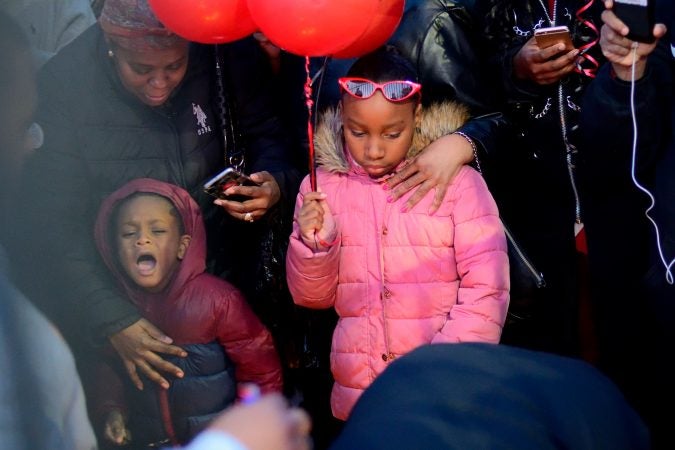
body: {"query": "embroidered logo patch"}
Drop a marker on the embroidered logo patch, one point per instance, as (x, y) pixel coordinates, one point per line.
(200, 115)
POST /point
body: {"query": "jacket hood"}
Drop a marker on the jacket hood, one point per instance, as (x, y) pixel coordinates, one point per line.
(194, 261)
(437, 120)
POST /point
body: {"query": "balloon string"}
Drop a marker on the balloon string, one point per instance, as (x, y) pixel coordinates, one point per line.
(584, 49)
(310, 129)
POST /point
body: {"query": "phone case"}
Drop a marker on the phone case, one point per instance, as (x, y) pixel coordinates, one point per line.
(546, 37)
(638, 15)
(229, 177)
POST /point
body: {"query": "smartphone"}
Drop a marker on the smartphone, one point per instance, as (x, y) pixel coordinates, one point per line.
(638, 15)
(229, 177)
(549, 36)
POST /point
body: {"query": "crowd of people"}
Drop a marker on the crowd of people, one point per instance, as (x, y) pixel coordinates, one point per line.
(138, 309)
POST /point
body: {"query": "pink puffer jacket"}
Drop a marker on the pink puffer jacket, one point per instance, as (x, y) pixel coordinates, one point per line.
(399, 280)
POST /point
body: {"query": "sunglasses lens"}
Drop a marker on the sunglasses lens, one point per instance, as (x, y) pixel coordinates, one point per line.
(361, 89)
(397, 90)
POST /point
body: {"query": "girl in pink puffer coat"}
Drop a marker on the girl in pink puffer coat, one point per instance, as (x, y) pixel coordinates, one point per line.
(397, 279)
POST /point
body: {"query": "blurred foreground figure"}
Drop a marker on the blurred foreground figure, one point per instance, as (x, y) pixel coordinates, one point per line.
(50, 26)
(41, 400)
(461, 396)
(634, 317)
(266, 424)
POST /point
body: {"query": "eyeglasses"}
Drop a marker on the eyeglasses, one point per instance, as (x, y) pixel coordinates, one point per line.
(395, 91)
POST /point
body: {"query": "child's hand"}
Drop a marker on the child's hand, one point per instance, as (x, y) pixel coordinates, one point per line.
(115, 429)
(317, 225)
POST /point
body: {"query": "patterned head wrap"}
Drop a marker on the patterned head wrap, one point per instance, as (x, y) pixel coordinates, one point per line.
(132, 24)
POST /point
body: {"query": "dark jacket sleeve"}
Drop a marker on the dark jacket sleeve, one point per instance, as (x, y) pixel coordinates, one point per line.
(487, 131)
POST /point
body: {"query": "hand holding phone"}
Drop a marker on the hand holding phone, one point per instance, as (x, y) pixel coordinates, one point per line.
(549, 36)
(549, 64)
(226, 179)
(638, 16)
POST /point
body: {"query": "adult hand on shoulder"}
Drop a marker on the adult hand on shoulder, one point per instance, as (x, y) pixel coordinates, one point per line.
(541, 65)
(138, 345)
(260, 198)
(435, 167)
(266, 424)
(618, 49)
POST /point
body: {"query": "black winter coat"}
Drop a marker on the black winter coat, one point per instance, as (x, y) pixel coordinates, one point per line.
(534, 180)
(633, 301)
(616, 217)
(535, 174)
(533, 164)
(98, 136)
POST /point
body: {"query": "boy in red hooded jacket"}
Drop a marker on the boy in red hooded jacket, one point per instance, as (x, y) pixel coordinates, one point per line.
(151, 236)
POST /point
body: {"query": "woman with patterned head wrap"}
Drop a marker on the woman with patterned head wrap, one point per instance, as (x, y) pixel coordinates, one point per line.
(128, 99)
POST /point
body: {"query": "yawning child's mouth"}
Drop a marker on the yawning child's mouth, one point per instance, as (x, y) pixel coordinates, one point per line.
(146, 263)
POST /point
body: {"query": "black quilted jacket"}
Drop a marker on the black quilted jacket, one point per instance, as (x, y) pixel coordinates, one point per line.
(98, 136)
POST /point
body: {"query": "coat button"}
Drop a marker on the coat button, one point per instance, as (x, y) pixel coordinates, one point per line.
(387, 293)
(384, 357)
(384, 230)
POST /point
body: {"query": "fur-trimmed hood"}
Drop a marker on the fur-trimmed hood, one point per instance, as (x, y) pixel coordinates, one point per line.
(437, 120)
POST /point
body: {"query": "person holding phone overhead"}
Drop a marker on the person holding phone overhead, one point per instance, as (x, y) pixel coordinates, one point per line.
(634, 307)
(534, 180)
(129, 99)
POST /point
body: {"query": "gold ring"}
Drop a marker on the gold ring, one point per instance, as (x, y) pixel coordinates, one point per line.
(248, 217)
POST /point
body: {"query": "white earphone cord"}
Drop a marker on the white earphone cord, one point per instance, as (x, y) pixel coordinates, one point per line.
(667, 265)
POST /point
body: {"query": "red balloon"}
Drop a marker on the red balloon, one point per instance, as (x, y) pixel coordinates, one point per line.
(313, 27)
(205, 21)
(382, 26)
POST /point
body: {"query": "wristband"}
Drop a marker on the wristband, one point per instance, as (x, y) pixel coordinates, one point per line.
(474, 148)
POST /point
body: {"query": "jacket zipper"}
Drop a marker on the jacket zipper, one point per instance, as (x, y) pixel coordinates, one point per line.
(570, 153)
(570, 150)
(384, 291)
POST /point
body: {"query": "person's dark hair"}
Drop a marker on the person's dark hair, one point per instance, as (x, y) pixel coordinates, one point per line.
(384, 64)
